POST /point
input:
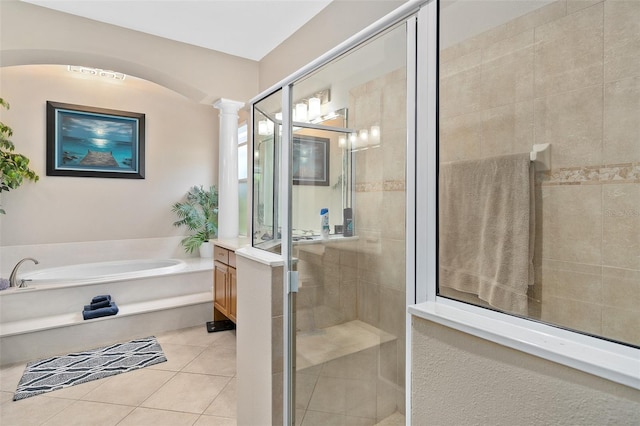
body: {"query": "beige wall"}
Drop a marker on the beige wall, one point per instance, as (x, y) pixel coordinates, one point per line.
(181, 151)
(182, 130)
(334, 24)
(459, 380)
(567, 74)
(31, 34)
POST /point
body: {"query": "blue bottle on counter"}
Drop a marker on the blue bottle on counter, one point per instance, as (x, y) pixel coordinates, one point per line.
(347, 227)
(324, 223)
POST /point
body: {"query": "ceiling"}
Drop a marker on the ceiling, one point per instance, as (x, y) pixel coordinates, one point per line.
(245, 28)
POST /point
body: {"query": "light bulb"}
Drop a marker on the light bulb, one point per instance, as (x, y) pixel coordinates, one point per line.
(301, 112)
(364, 136)
(375, 134)
(262, 127)
(314, 108)
(342, 142)
(353, 140)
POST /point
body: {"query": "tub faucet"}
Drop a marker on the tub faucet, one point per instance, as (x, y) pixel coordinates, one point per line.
(13, 277)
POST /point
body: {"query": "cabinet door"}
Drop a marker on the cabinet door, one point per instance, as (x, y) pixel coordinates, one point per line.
(220, 298)
(232, 294)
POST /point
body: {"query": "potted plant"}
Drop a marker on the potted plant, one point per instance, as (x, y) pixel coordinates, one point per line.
(199, 213)
(14, 168)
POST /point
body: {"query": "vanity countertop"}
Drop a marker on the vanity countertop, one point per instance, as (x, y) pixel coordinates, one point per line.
(232, 243)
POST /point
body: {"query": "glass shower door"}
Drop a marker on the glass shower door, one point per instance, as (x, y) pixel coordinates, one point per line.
(348, 147)
(267, 128)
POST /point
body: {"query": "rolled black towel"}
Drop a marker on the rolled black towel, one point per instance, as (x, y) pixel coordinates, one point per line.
(101, 298)
(97, 305)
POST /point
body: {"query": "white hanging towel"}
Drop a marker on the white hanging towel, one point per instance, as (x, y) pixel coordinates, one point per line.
(487, 229)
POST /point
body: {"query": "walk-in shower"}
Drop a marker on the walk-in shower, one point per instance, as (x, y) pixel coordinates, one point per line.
(348, 155)
(342, 136)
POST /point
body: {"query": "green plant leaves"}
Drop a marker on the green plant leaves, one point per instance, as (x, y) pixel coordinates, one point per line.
(199, 213)
(14, 167)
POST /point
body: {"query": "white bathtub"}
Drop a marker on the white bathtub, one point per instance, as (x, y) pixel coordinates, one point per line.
(100, 272)
(153, 296)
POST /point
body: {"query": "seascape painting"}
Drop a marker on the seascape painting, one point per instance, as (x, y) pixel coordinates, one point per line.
(310, 161)
(94, 142)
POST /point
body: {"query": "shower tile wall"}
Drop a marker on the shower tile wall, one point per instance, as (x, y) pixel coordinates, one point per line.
(328, 279)
(379, 213)
(365, 279)
(566, 74)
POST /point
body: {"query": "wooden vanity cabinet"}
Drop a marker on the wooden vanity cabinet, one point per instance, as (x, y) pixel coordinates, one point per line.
(232, 294)
(224, 285)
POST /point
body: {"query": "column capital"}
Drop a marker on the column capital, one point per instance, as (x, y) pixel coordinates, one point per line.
(228, 106)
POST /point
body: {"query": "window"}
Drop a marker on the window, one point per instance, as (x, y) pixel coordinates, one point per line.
(567, 261)
(497, 97)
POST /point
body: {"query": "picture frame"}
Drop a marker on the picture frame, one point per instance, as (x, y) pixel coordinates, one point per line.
(87, 141)
(310, 160)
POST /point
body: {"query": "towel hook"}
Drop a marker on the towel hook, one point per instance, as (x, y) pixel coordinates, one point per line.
(541, 156)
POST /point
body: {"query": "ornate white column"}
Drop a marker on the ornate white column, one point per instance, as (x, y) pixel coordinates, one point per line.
(228, 168)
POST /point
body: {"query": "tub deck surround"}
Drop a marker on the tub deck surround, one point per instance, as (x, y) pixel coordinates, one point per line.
(70, 319)
(91, 273)
(62, 254)
(46, 319)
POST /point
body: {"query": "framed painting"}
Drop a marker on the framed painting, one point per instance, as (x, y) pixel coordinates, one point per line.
(94, 142)
(310, 161)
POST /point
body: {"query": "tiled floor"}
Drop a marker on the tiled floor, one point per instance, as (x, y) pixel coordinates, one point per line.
(196, 386)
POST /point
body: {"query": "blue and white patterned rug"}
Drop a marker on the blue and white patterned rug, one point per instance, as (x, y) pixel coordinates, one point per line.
(63, 371)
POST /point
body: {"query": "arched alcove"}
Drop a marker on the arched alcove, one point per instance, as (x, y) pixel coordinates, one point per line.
(35, 35)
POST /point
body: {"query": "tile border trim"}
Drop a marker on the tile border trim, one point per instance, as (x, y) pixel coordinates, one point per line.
(591, 175)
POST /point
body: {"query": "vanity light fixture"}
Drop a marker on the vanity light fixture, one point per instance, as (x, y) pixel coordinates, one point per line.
(309, 109)
(97, 72)
(330, 116)
(361, 140)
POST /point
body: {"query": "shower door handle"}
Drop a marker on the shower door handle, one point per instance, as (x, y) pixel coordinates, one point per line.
(293, 281)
